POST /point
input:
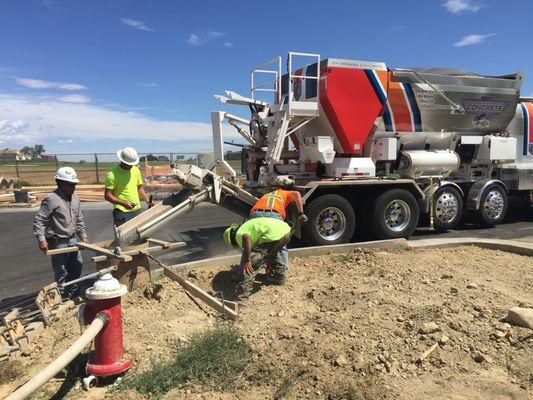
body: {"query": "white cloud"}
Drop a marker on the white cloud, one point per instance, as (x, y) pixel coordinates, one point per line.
(11, 126)
(64, 141)
(75, 98)
(196, 40)
(149, 84)
(12, 131)
(134, 23)
(229, 44)
(31, 118)
(40, 84)
(460, 6)
(473, 39)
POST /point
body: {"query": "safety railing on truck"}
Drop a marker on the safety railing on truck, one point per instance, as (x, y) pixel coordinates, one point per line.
(272, 67)
(298, 107)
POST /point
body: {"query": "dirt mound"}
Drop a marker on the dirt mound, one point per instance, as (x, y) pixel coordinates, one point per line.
(347, 326)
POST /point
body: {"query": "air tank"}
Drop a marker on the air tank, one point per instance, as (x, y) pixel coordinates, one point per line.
(416, 163)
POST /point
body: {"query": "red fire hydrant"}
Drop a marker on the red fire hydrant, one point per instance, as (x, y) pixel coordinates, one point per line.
(104, 298)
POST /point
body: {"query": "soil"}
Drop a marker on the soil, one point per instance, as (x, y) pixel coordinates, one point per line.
(344, 326)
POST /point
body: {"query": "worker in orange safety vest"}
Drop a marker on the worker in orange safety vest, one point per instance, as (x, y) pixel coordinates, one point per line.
(276, 205)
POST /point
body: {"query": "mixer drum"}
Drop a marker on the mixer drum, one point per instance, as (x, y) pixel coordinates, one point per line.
(488, 102)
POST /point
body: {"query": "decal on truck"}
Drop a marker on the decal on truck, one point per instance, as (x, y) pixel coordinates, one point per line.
(527, 111)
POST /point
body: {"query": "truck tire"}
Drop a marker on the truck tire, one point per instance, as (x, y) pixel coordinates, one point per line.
(395, 214)
(492, 206)
(331, 221)
(447, 208)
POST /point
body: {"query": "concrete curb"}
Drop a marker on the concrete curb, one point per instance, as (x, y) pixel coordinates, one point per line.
(511, 246)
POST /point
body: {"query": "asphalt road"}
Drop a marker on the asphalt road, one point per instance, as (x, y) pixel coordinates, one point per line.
(24, 269)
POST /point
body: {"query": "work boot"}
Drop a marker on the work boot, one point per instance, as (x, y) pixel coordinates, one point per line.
(276, 279)
(244, 288)
(241, 293)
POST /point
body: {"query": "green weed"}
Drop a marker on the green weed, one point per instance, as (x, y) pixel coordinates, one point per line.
(217, 357)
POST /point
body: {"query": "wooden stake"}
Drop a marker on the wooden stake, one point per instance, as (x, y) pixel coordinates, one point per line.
(426, 353)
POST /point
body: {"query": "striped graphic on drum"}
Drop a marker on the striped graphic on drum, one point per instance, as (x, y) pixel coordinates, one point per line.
(527, 110)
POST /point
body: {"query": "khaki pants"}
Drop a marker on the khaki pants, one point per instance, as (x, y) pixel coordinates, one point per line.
(276, 257)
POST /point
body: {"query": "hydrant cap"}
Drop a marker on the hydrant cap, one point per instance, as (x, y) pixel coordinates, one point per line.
(106, 287)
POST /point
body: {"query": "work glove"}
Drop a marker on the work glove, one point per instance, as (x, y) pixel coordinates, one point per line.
(302, 218)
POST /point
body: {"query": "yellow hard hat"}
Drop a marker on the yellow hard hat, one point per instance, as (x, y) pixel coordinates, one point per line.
(227, 235)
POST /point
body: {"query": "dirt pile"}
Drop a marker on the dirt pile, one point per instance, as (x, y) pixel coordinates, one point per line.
(349, 326)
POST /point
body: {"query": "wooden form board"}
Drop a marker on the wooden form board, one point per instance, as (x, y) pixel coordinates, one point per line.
(103, 251)
(146, 248)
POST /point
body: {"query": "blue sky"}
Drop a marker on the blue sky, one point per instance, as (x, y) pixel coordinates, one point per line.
(95, 75)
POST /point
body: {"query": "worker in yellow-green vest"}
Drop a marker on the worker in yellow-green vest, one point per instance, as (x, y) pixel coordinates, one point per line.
(266, 237)
(124, 187)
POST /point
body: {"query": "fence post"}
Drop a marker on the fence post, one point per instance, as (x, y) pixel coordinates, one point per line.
(57, 162)
(96, 167)
(17, 167)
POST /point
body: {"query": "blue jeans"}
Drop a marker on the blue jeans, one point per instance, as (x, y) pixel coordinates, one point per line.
(67, 267)
(281, 261)
(120, 217)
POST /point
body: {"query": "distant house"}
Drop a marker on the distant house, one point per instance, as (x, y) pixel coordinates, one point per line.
(12, 154)
(46, 157)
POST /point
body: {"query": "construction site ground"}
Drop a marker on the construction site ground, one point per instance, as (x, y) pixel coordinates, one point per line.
(345, 326)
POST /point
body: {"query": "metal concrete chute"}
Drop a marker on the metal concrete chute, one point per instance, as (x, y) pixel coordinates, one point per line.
(200, 185)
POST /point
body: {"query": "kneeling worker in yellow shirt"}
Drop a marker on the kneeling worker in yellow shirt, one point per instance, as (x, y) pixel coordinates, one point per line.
(267, 237)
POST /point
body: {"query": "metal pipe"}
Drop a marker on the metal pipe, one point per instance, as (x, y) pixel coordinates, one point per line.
(93, 275)
(62, 361)
(144, 231)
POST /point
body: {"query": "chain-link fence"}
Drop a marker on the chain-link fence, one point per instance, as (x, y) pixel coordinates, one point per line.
(90, 167)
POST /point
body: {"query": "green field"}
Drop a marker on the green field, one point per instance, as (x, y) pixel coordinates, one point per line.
(36, 172)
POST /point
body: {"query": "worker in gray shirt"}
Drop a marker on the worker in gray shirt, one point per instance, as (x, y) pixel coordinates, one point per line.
(56, 225)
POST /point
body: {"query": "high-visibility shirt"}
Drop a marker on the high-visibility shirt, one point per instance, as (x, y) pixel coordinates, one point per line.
(125, 185)
(277, 201)
(262, 230)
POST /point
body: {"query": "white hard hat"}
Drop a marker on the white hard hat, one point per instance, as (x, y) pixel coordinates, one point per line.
(67, 174)
(128, 156)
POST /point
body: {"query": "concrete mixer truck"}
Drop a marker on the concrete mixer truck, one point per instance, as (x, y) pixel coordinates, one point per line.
(380, 149)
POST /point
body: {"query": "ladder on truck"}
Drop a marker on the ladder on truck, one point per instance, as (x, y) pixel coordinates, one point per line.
(290, 111)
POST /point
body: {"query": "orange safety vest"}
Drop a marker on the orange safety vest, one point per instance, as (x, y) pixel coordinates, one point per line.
(273, 201)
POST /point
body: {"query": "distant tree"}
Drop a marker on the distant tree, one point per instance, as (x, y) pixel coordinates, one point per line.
(38, 150)
(233, 155)
(150, 157)
(34, 151)
(162, 158)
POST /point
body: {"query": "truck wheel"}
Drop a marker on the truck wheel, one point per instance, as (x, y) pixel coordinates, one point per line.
(331, 221)
(447, 208)
(395, 214)
(493, 206)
